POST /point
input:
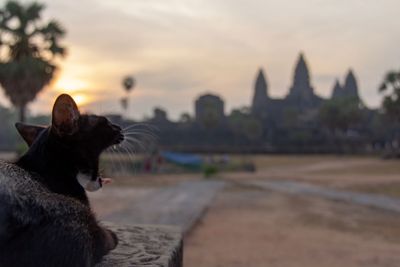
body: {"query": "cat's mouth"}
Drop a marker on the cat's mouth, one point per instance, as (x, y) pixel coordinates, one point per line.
(87, 182)
(90, 184)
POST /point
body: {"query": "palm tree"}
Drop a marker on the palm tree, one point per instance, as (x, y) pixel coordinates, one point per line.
(341, 114)
(128, 82)
(29, 47)
(390, 87)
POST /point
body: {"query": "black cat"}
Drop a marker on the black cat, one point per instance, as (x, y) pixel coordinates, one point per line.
(45, 217)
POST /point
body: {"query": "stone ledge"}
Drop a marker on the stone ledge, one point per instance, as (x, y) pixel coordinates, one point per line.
(145, 246)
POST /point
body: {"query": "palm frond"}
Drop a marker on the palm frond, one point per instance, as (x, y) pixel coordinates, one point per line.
(14, 9)
(383, 87)
(32, 12)
(53, 28)
(55, 49)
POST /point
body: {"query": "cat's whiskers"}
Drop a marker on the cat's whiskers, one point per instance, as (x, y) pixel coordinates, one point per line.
(128, 151)
(142, 125)
(118, 159)
(120, 151)
(130, 148)
(112, 158)
(141, 128)
(132, 141)
(142, 137)
(140, 133)
(138, 138)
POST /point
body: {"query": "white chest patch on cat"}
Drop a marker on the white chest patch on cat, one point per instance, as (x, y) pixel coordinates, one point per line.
(86, 182)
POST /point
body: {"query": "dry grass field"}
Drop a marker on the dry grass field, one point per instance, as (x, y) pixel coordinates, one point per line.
(249, 226)
(357, 173)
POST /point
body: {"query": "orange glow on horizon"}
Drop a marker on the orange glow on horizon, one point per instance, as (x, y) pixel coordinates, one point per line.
(77, 88)
(70, 85)
(81, 99)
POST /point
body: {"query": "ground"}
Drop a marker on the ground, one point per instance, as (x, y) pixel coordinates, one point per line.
(248, 226)
(252, 227)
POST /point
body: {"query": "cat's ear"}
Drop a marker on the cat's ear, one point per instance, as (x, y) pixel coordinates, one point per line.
(65, 116)
(29, 132)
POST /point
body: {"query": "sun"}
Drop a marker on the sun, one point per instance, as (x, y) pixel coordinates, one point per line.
(70, 85)
(74, 87)
(80, 99)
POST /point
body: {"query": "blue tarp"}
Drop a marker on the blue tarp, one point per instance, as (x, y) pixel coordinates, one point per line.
(182, 158)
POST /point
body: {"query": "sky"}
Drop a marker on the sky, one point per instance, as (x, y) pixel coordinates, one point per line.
(178, 50)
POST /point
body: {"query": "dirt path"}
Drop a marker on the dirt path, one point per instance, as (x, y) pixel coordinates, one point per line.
(335, 172)
(247, 226)
(371, 200)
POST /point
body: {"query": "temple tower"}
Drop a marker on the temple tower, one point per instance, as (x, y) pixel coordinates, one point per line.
(350, 85)
(337, 90)
(301, 89)
(301, 94)
(260, 97)
(209, 110)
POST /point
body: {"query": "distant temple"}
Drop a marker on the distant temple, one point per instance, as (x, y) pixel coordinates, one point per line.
(301, 94)
(209, 110)
(301, 98)
(350, 88)
(289, 124)
(299, 122)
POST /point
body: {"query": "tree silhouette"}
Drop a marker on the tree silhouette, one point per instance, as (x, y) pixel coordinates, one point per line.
(128, 82)
(242, 122)
(124, 103)
(29, 46)
(185, 118)
(390, 87)
(340, 114)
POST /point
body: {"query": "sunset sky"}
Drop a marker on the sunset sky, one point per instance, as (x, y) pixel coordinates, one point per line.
(177, 50)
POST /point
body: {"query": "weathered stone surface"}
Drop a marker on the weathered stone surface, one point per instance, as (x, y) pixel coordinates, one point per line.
(145, 246)
(179, 205)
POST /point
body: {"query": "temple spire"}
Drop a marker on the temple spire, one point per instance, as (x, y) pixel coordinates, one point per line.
(301, 81)
(260, 96)
(337, 90)
(350, 85)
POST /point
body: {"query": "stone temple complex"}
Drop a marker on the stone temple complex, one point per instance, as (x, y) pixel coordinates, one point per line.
(291, 124)
(349, 89)
(301, 98)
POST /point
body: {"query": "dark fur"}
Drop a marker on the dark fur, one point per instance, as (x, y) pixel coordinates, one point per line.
(41, 228)
(59, 159)
(45, 217)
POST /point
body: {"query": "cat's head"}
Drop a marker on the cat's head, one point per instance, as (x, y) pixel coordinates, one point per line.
(83, 137)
